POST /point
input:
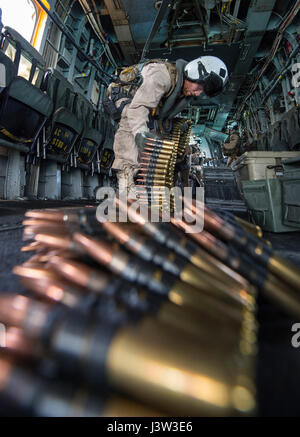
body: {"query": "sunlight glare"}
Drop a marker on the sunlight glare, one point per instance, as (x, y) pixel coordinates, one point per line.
(19, 15)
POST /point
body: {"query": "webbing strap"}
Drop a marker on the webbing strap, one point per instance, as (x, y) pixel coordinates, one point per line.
(18, 54)
(67, 101)
(13, 137)
(55, 90)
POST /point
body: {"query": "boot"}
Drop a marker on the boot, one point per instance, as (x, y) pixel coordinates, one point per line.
(126, 182)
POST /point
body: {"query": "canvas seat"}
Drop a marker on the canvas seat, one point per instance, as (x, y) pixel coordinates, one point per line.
(278, 138)
(91, 138)
(28, 61)
(107, 157)
(90, 142)
(64, 127)
(24, 110)
(293, 128)
(8, 71)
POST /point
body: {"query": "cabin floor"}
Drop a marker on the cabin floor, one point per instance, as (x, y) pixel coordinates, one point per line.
(278, 364)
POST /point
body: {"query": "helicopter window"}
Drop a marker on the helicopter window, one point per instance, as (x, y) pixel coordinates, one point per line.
(24, 67)
(10, 51)
(24, 20)
(39, 29)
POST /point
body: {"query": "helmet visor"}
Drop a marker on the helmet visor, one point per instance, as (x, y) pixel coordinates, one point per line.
(213, 85)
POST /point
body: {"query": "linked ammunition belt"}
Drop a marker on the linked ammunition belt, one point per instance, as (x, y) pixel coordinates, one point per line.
(129, 309)
(158, 160)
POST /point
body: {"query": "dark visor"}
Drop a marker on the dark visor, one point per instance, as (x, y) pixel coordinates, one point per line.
(212, 85)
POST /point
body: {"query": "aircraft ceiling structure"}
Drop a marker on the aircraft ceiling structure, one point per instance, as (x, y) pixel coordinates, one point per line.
(238, 31)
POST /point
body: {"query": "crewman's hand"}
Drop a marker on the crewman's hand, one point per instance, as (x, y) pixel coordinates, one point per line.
(141, 138)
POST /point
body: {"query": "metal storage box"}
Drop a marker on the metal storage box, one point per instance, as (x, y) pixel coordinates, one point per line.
(220, 183)
(291, 192)
(253, 165)
(274, 203)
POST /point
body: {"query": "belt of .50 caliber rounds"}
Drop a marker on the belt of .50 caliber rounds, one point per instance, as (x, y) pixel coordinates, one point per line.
(157, 167)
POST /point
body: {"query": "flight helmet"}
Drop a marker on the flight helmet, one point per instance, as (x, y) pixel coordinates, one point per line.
(209, 71)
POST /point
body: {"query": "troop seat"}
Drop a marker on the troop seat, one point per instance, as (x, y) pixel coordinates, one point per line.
(262, 142)
(278, 137)
(59, 89)
(90, 141)
(84, 109)
(108, 130)
(8, 71)
(28, 61)
(91, 138)
(24, 110)
(64, 127)
(282, 135)
(292, 121)
(107, 157)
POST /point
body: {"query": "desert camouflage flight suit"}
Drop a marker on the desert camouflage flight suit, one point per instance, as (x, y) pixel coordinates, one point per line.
(231, 148)
(135, 115)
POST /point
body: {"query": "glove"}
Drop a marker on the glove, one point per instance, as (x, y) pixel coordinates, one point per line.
(141, 138)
